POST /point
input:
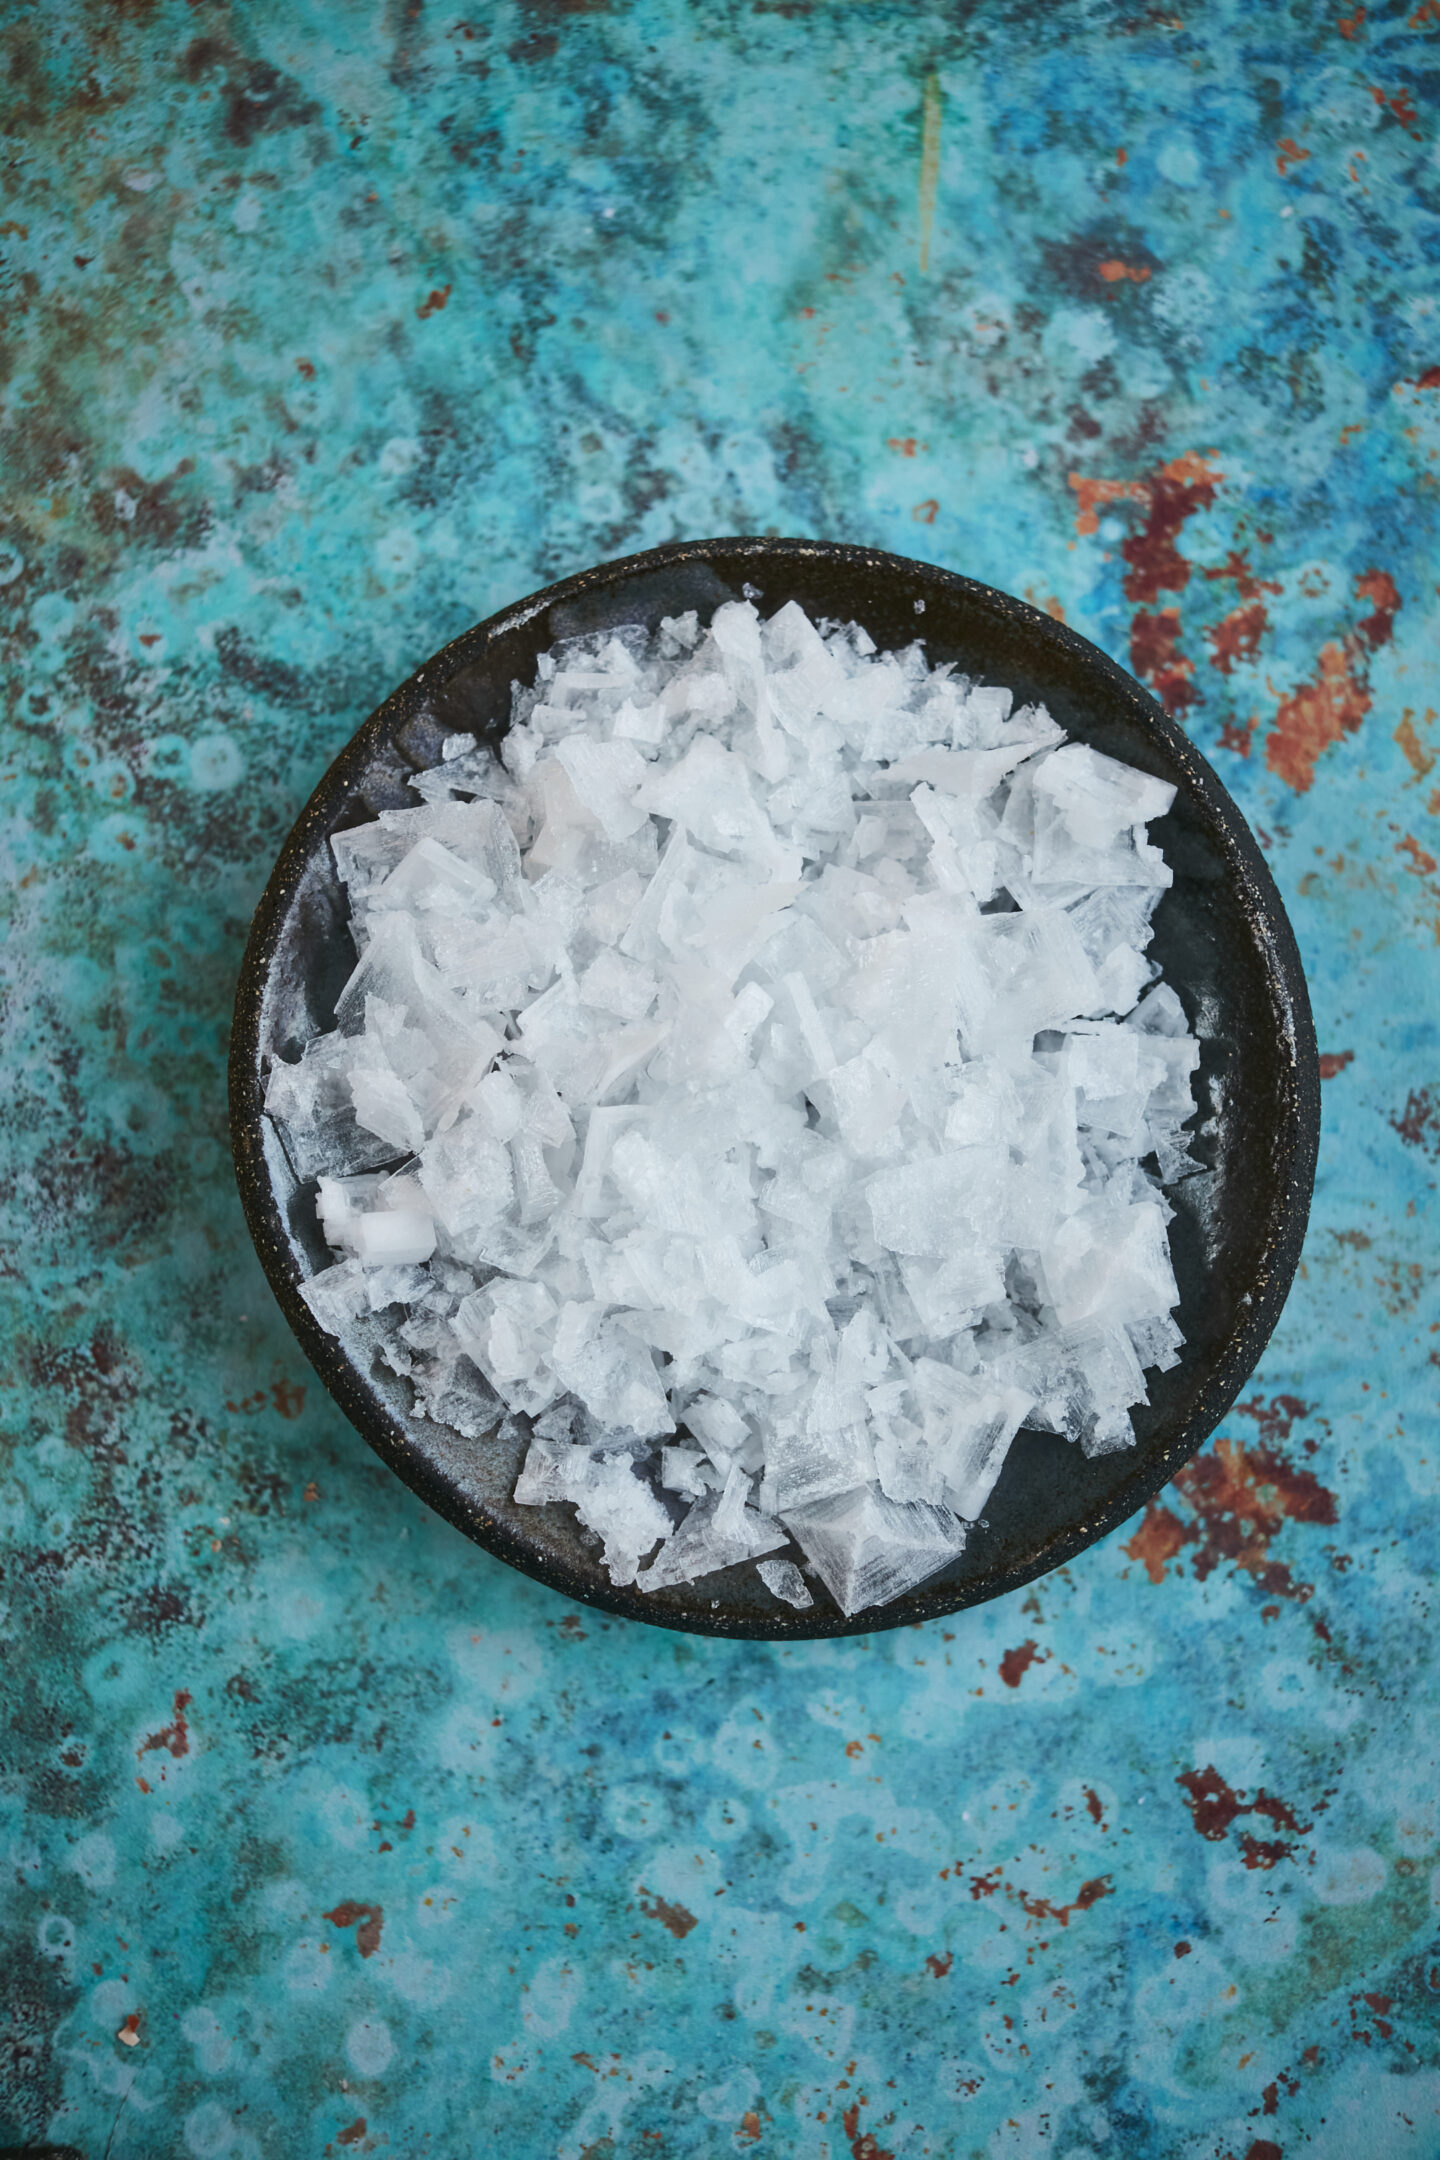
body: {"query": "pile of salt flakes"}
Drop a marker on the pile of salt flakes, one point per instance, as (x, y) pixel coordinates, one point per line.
(755, 1080)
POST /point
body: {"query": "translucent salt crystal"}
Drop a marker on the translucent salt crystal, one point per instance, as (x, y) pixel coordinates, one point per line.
(606, 777)
(1099, 798)
(868, 1550)
(504, 1329)
(609, 1497)
(336, 1296)
(311, 1104)
(467, 1176)
(784, 1580)
(394, 1237)
(611, 1372)
(1110, 1260)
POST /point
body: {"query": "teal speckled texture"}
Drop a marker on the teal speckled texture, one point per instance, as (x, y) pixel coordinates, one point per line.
(329, 330)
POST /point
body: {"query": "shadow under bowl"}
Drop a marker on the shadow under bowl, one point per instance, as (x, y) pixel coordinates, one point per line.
(1221, 937)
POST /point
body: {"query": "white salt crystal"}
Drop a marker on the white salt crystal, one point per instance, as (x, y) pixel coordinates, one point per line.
(784, 1579)
(868, 1549)
(771, 1030)
(394, 1237)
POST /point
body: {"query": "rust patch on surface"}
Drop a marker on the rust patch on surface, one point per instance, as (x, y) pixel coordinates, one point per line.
(1241, 1497)
(1090, 494)
(1156, 656)
(369, 1917)
(1321, 712)
(1419, 1122)
(1422, 862)
(353, 2135)
(673, 1917)
(1016, 1663)
(939, 1966)
(1333, 704)
(1237, 635)
(1114, 271)
(1334, 1061)
(864, 2145)
(1215, 1806)
(175, 1737)
(1290, 154)
(1175, 493)
(434, 301)
(1418, 756)
(1089, 1893)
(1378, 587)
(1236, 569)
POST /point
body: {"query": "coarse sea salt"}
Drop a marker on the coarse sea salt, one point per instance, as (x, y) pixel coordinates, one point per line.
(755, 1080)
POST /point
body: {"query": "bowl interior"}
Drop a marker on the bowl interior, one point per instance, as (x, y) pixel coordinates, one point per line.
(1220, 935)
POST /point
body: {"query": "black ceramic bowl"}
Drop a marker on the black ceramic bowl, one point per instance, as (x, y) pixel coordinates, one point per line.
(1220, 935)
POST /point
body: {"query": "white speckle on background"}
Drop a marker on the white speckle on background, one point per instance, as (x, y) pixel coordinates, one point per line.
(215, 762)
(369, 2046)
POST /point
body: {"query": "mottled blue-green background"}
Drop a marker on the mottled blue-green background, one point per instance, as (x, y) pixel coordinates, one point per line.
(327, 330)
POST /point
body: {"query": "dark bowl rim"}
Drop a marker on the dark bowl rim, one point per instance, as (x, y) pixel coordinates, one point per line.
(1296, 1147)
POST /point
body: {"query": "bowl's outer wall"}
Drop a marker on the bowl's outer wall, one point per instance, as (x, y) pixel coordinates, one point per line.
(1221, 935)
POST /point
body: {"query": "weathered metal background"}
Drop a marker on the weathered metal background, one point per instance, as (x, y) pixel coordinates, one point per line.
(328, 330)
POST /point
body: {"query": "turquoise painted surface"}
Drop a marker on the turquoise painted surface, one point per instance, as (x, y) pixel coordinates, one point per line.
(327, 333)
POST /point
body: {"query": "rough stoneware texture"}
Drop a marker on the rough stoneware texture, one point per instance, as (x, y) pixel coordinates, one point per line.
(1220, 934)
(255, 473)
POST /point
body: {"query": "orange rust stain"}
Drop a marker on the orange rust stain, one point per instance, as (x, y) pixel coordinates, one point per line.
(1422, 863)
(1418, 756)
(1121, 157)
(863, 2144)
(1379, 587)
(1237, 635)
(1290, 154)
(1156, 656)
(1241, 1498)
(1234, 736)
(1159, 1540)
(1089, 1893)
(1050, 602)
(925, 513)
(749, 2131)
(1236, 566)
(1176, 492)
(1113, 271)
(1321, 712)
(370, 1917)
(1334, 1061)
(353, 2135)
(1350, 26)
(1089, 494)
(905, 444)
(1401, 104)
(939, 1966)
(174, 1737)
(1214, 1806)
(306, 368)
(433, 303)
(673, 1917)
(1016, 1663)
